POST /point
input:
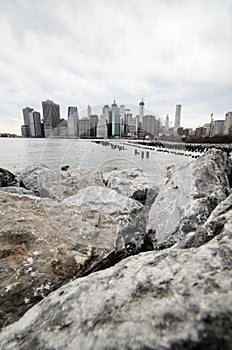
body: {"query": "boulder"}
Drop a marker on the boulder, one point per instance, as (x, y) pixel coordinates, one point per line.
(218, 221)
(7, 178)
(133, 183)
(43, 244)
(188, 197)
(47, 183)
(106, 200)
(43, 181)
(171, 299)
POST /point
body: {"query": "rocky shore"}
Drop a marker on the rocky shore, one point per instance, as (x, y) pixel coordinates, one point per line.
(114, 262)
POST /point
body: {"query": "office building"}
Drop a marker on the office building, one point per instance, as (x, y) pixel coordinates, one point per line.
(228, 124)
(51, 116)
(218, 127)
(151, 125)
(25, 130)
(26, 112)
(32, 123)
(177, 117)
(141, 112)
(35, 129)
(115, 120)
(102, 131)
(167, 125)
(89, 111)
(93, 125)
(73, 122)
(84, 128)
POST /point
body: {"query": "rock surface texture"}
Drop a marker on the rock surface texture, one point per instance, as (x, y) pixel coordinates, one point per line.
(107, 201)
(173, 299)
(133, 183)
(47, 183)
(7, 178)
(189, 196)
(178, 298)
(42, 245)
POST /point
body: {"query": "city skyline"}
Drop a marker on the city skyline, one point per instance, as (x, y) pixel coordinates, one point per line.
(84, 52)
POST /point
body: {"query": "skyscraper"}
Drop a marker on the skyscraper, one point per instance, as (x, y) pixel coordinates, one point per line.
(177, 117)
(167, 124)
(93, 125)
(51, 116)
(26, 112)
(115, 113)
(228, 124)
(32, 123)
(151, 125)
(89, 111)
(141, 111)
(102, 128)
(73, 121)
(35, 124)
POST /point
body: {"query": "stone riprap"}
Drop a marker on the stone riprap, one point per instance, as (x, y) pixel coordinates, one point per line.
(133, 183)
(43, 244)
(190, 194)
(173, 299)
(176, 298)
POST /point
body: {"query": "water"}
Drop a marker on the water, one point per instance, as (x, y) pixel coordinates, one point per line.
(17, 153)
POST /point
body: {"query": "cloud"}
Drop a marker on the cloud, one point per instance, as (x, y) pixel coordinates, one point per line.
(90, 52)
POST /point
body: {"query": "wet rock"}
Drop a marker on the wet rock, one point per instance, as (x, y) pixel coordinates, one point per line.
(7, 178)
(133, 183)
(43, 244)
(190, 194)
(172, 299)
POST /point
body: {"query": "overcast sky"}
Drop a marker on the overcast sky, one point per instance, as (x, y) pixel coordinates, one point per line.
(79, 52)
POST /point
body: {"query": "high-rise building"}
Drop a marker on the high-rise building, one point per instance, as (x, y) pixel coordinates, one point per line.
(51, 116)
(35, 129)
(84, 127)
(151, 125)
(93, 125)
(32, 123)
(106, 113)
(218, 127)
(73, 122)
(89, 111)
(102, 127)
(115, 120)
(177, 117)
(26, 112)
(141, 111)
(167, 126)
(228, 124)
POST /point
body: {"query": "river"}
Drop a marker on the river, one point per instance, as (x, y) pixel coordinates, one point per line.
(17, 153)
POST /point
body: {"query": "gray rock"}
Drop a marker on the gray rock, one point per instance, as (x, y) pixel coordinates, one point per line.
(173, 299)
(188, 197)
(108, 201)
(43, 244)
(43, 181)
(133, 183)
(7, 178)
(214, 225)
(46, 183)
(17, 190)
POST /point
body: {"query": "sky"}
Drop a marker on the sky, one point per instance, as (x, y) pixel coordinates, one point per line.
(80, 52)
